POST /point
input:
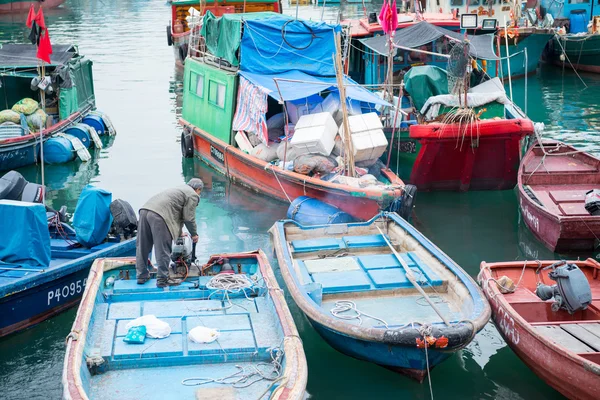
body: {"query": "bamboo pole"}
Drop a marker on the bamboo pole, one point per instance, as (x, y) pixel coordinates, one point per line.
(508, 59)
(411, 278)
(347, 139)
(43, 99)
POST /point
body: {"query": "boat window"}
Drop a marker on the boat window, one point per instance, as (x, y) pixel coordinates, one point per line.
(579, 1)
(474, 2)
(457, 3)
(197, 84)
(216, 93)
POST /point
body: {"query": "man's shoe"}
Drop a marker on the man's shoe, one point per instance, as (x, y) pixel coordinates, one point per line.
(141, 281)
(169, 282)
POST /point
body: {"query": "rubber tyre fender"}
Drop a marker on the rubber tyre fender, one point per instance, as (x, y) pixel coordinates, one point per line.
(408, 201)
(183, 51)
(169, 36)
(187, 144)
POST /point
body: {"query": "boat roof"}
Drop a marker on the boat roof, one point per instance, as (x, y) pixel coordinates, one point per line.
(24, 55)
(196, 2)
(361, 27)
(480, 46)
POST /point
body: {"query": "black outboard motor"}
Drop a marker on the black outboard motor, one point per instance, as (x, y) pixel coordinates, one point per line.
(124, 219)
(592, 201)
(572, 290)
(13, 186)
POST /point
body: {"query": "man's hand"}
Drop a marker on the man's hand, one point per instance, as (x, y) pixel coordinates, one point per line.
(195, 238)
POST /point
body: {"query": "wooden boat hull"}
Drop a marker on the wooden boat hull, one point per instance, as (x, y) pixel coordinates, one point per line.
(582, 51)
(399, 346)
(51, 292)
(570, 374)
(269, 324)
(22, 6)
(533, 42)
(482, 157)
(286, 185)
(559, 231)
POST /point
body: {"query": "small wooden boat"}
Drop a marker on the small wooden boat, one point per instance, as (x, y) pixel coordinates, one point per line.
(352, 286)
(32, 292)
(553, 180)
(257, 351)
(68, 111)
(22, 6)
(183, 11)
(562, 348)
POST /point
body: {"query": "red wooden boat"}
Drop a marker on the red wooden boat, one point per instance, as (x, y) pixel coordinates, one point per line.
(553, 180)
(484, 156)
(563, 349)
(22, 6)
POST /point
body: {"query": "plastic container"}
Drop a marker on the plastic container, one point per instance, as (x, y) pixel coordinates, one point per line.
(578, 21)
(96, 122)
(367, 136)
(58, 150)
(80, 131)
(315, 134)
(308, 211)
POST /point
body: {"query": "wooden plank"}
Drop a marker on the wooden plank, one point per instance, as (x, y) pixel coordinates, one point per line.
(583, 335)
(561, 337)
(593, 328)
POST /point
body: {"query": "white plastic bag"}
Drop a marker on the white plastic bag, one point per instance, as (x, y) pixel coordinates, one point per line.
(155, 328)
(202, 334)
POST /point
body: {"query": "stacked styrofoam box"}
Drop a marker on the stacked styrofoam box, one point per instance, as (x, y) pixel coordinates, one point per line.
(315, 134)
(367, 136)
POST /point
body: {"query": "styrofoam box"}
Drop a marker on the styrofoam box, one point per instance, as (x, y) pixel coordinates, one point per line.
(367, 136)
(315, 134)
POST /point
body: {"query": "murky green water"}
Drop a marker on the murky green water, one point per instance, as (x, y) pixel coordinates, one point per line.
(137, 85)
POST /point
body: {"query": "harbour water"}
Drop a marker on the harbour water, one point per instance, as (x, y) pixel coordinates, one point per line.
(137, 84)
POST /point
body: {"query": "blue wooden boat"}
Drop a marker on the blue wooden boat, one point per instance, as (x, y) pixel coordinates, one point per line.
(69, 106)
(257, 353)
(357, 296)
(32, 291)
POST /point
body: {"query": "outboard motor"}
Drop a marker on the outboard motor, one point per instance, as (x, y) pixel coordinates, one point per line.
(124, 219)
(592, 201)
(13, 186)
(572, 290)
(183, 255)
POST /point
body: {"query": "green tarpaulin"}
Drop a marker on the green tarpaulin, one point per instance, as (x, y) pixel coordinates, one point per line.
(425, 81)
(67, 102)
(223, 34)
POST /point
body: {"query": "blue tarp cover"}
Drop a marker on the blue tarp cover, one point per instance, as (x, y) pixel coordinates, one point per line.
(92, 218)
(281, 44)
(308, 85)
(24, 236)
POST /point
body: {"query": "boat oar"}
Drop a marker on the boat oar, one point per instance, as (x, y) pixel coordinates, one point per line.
(410, 276)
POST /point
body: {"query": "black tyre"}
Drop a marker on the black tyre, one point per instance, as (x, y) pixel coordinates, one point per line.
(169, 36)
(183, 51)
(187, 145)
(408, 201)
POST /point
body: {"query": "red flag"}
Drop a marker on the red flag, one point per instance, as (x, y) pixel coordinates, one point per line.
(31, 16)
(39, 19)
(384, 16)
(394, 17)
(45, 48)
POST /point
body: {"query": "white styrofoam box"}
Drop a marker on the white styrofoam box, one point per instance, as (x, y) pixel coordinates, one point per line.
(367, 136)
(315, 134)
(298, 108)
(242, 141)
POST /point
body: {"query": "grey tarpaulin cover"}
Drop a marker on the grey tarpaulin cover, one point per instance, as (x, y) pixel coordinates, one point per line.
(480, 46)
(24, 55)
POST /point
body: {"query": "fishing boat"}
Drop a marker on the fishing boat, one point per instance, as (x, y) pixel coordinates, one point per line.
(66, 119)
(235, 89)
(44, 261)
(186, 16)
(380, 291)
(576, 45)
(22, 6)
(558, 334)
(554, 178)
(229, 334)
(454, 152)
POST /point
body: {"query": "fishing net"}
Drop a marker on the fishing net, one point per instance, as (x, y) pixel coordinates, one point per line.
(458, 68)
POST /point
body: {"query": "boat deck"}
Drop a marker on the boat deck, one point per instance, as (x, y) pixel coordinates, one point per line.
(248, 332)
(563, 200)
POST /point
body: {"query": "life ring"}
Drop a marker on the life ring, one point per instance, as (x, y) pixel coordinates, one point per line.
(183, 52)
(187, 144)
(169, 36)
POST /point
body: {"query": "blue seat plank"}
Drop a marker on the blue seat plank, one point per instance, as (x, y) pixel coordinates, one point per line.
(347, 281)
(124, 310)
(227, 342)
(432, 277)
(389, 278)
(378, 261)
(308, 245)
(364, 241)
(171, 346)
(179, 308)
(230, 322)
(303, 272)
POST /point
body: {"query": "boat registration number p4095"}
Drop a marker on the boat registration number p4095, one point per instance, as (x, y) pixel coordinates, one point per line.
(63, 293)
(217, 154)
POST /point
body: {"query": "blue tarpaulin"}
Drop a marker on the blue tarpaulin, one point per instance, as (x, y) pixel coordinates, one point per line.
(280, 44)
(92, 218)
(24, 235)
(295, 85)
